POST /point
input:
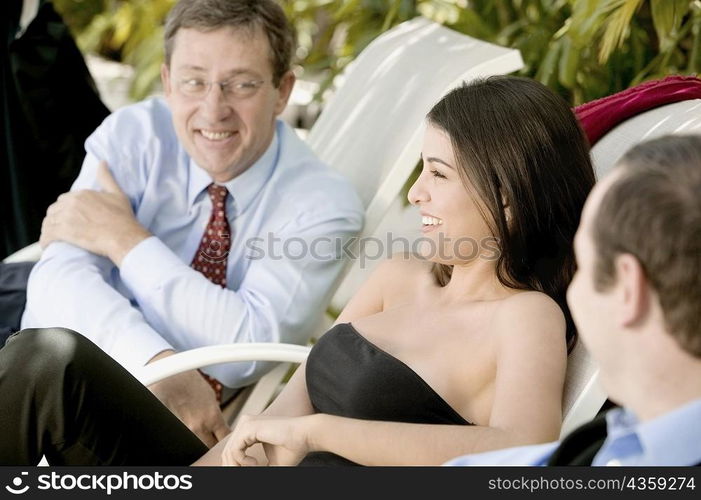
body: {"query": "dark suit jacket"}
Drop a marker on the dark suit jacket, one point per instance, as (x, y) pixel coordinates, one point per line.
(49, 105)
(13, 296)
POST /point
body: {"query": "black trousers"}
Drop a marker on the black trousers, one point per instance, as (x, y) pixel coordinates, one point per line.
(61, 396)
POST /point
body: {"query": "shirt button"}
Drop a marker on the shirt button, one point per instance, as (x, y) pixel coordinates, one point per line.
(613, 463)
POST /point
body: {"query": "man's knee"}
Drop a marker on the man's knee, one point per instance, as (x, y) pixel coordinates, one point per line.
(47, 351)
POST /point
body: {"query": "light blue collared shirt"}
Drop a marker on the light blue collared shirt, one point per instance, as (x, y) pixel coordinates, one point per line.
(672, 439)
(276, 291)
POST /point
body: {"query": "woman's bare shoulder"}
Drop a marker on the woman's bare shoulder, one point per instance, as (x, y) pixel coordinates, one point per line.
(392, 282)
(524, 301)
(528, 315)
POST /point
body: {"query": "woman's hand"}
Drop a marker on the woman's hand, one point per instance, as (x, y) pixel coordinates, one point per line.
(286, 440)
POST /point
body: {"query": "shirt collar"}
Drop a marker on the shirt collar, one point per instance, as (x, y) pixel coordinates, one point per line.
(244, 187)
(199, 180)
(671, 438)
(620, 421)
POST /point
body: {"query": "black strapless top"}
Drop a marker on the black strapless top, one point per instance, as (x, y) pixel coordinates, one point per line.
(349, 376)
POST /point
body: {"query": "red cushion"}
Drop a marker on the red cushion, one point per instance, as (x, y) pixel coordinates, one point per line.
(599, 116)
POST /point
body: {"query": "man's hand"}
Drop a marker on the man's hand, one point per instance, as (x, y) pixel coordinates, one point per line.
(101, 222)
(192, 400)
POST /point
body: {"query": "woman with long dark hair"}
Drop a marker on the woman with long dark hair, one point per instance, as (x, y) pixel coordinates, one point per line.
(459, 351)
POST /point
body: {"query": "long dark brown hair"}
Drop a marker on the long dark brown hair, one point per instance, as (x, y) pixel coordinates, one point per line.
(516, 141)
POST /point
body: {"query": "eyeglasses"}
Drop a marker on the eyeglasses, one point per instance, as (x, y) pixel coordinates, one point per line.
(236, 87)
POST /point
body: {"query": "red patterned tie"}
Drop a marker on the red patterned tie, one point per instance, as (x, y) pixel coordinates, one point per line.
(215, 244)
(213, 252)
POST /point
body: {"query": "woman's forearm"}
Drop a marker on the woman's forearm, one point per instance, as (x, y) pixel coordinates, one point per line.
(392, 443)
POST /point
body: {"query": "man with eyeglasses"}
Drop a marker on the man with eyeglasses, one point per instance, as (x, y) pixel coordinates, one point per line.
(170, 238)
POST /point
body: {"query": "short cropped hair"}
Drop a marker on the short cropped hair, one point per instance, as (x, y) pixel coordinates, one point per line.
(208, 15)
(653, 212)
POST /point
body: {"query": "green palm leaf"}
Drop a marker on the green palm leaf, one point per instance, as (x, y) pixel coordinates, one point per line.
(617, 26)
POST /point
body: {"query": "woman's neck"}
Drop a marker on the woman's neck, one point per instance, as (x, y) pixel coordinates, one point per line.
(475, 281)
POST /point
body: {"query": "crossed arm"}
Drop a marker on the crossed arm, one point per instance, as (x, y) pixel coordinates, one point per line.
(104, 232)
(102, 229)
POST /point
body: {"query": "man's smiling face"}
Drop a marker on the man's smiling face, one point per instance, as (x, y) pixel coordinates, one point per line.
(223, 132)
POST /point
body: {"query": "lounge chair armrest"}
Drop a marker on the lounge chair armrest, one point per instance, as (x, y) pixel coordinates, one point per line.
(29, 253)
(224, 353)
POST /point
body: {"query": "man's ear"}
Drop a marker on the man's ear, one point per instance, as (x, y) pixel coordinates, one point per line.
(165, 79)
(633, 292)
(287, 82)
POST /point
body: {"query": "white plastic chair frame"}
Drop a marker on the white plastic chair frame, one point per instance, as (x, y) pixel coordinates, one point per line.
(224, 353)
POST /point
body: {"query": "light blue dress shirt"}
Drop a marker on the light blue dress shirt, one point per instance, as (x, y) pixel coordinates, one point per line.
(672, 439)
(276, 292)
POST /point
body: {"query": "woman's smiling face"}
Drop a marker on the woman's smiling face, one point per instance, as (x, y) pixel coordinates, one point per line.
(453, 225)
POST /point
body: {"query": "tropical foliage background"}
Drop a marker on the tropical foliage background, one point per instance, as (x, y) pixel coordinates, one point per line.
(583, 49)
